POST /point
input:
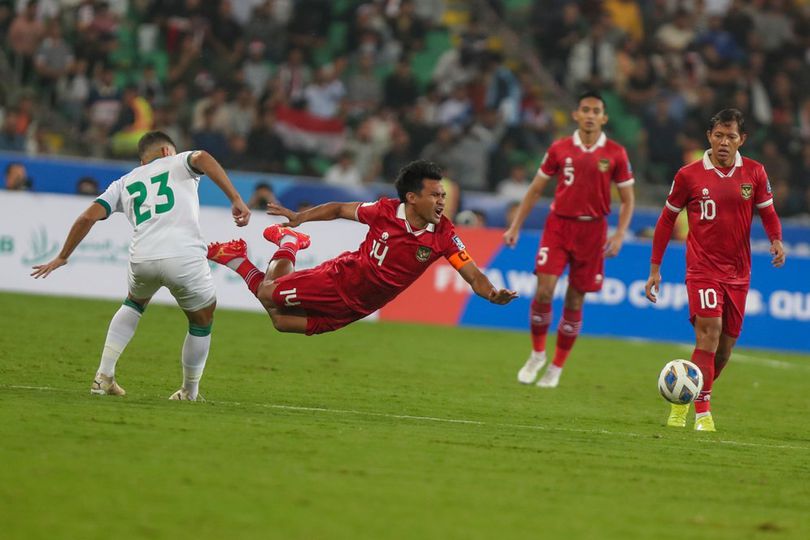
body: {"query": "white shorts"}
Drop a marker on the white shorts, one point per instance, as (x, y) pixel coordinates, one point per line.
(187, 278)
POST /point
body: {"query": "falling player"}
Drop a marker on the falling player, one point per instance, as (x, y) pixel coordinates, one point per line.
(575, 233)
(719, 193)
(405, 237)
(159, 199)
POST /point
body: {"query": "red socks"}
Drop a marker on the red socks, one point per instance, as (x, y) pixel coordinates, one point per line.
(567, 333)
(252, 275)
(539, 320)
(705, 361)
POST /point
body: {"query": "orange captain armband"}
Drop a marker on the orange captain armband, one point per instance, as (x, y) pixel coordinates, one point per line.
(459, 259)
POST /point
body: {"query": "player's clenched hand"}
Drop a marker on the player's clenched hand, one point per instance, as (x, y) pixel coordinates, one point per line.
(275, 209)
(502, 296)
(614, 245)
(241, 213)
(778, 252)
(510, 237)
(652, 287)
(43, 270)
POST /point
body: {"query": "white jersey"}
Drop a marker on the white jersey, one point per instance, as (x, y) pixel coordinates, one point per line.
(160, 201)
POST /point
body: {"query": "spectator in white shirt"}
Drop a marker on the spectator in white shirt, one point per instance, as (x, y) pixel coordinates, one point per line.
(344, 172)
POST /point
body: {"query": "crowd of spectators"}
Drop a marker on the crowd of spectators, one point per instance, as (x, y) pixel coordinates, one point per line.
(672, 63)
(350, 90)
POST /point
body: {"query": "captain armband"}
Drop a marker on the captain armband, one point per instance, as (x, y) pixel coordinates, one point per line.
(459, 259)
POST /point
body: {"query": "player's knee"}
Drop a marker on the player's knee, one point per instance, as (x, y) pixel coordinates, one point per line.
(709, 332)
(544, 295)
(574, 299)
(265, 295)
(279, 321)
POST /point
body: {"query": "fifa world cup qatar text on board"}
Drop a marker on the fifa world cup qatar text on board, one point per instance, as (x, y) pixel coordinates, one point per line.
(680, 382)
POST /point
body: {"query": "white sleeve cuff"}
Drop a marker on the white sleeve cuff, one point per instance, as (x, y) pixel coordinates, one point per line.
(764, 203)
(673, 208)
(626, 183)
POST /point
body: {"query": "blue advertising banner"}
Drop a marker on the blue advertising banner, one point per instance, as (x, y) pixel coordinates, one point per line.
(777, 310)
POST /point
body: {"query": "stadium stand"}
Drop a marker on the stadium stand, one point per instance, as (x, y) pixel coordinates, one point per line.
(286, 86)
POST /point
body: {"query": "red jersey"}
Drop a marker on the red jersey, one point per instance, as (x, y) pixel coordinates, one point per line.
(585, 174)
(720, 207)
(392, 256)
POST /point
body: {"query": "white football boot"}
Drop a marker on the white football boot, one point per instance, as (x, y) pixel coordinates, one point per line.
(183, 395)
(528, 373)
(551, 378)
(106, 386)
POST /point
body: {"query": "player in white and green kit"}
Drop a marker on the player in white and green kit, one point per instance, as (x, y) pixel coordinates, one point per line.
(160, 200)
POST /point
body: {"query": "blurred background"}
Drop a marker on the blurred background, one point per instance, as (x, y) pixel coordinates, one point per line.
(342, 93)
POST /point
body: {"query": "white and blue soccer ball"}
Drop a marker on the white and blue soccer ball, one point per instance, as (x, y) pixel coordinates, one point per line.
(680, 382)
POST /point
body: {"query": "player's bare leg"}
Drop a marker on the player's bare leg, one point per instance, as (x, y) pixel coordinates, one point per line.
(286, 318)
(567, 332)
(195, 352)
(539, 320)
(723, 353)
(122, 329)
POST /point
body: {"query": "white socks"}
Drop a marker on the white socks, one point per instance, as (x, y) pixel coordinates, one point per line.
(195, 353)
(288, 239)
(122, 328)
(234, 264)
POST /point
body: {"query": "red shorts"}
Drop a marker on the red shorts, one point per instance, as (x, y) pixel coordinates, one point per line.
(578, 244)
(315, 292)
(711, 298)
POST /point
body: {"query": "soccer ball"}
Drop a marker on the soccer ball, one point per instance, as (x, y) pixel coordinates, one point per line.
(680, 382)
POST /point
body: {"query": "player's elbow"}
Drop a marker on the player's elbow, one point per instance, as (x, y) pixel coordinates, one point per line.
(201, 160)
(87, 219)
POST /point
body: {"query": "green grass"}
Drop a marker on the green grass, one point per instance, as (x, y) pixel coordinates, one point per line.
(350, 435)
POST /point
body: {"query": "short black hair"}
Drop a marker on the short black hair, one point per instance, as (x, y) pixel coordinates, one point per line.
(591, 94)
(151, 139)
(410, 177)
(262, 185)
(727, 116)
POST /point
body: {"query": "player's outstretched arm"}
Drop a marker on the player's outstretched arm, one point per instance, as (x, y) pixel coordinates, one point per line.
(322, 212)
(483, 287)
(614, 243)
(510, 237)
(205, 163)
(78, 231)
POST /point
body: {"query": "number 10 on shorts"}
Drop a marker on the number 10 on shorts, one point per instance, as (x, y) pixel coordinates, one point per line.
(708, 298)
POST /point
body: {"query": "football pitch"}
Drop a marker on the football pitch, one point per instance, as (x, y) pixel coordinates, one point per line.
(382, 431)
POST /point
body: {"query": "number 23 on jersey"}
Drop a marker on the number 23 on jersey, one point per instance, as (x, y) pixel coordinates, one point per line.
(140, 192)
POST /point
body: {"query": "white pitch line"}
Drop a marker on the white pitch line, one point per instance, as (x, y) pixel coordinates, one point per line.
(299, 408)
(759, 360)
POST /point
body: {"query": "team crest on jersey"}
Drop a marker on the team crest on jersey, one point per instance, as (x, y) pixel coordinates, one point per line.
(604, 165)
(423, 253)
(746, 190)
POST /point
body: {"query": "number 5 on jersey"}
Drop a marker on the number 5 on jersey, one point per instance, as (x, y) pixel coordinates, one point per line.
(140, 192)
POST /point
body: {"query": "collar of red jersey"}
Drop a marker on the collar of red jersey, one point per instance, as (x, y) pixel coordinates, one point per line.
(600, 142)
(708, 165)
(401, 215)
